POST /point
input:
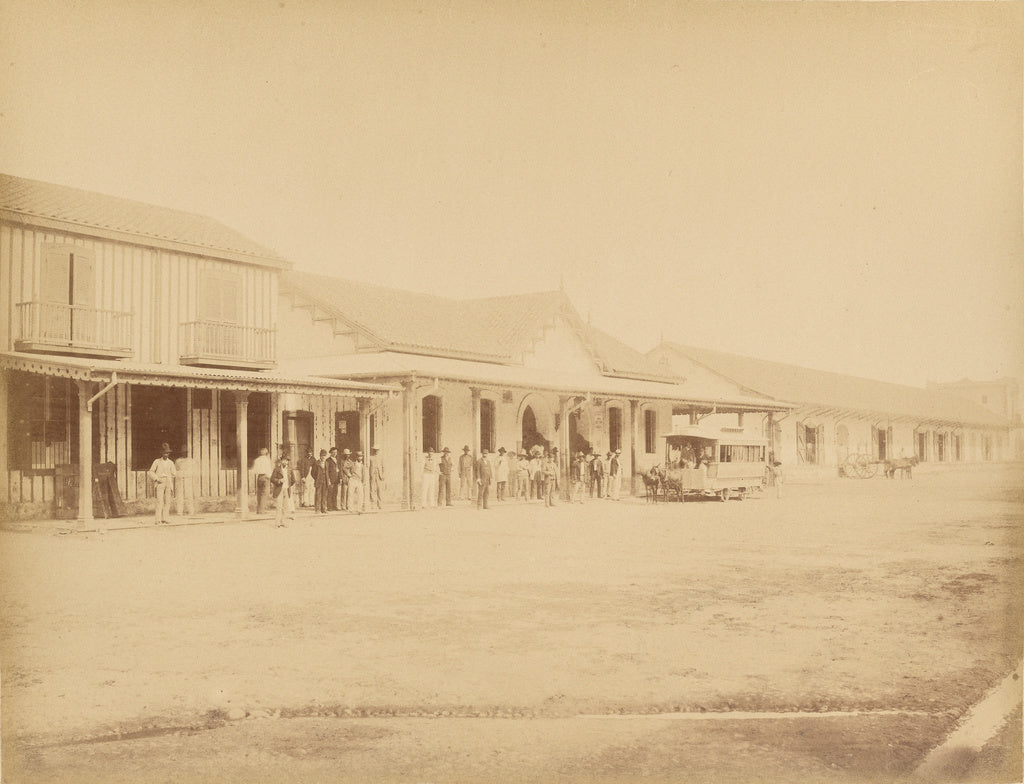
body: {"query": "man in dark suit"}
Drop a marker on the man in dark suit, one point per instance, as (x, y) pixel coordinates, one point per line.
(319, 470)
(333, 476)
(483, 480)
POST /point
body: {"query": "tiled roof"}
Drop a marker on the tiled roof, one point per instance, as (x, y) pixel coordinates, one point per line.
(833, 390)
(85, 210)
(494, 329)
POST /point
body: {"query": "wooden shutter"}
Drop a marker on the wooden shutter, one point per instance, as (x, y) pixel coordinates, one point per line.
(819, 447)
(55, 279)
(801, 446)
(83, 280)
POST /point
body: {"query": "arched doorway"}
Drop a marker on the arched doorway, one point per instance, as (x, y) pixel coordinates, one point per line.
(531, 435)
(579, 430)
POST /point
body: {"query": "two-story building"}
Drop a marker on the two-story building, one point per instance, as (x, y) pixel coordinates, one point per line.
(128, 326)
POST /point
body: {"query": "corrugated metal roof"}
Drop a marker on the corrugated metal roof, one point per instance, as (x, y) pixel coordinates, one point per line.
(394, 365)
(82, 209)
(188, 376)
(834, 390)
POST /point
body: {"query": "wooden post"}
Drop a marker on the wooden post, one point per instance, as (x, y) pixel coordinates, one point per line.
(85, 391)
(634, 436)
(242, 438)
(407, 462)
(475, 393)
(5, 478)
(364, 446)
(564, 457)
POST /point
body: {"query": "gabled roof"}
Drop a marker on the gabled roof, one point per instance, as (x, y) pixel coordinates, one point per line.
(94, 214)
(823, 389)
(618, 359)
(492, 329)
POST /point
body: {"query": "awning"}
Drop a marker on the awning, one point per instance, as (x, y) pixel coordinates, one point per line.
(392, 366)
(102, 370)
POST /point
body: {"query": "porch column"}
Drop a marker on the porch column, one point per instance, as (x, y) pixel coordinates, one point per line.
(475, 393)
(407, 463)
(5, 479)
(364, 445)
(242, 438)
(634, 424)
(564, 458)
(85, 391)
(771, 436)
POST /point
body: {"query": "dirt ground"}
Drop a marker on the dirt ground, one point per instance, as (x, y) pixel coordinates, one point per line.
(602, 642)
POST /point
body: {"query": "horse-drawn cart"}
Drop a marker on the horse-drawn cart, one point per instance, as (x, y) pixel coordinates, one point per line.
(712, 465)
(865, 466)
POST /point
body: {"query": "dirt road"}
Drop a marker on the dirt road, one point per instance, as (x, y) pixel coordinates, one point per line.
(456, 645)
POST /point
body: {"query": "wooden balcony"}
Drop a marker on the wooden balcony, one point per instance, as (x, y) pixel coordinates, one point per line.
(215, 344)
(53, 328)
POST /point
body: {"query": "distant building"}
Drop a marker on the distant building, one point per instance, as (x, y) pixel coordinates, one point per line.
(1002, 396)
(837, 416)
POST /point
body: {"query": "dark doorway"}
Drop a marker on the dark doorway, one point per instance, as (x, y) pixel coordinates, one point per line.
(158, 417)
(531, 436)
(577, 441)
(296, 433)
(431, 424)
(487, 425)
(346, 431)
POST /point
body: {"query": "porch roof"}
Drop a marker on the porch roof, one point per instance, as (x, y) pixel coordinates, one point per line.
(103, 370)
(394, 366)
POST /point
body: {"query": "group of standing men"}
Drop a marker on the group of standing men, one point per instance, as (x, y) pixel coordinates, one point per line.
(532, 476)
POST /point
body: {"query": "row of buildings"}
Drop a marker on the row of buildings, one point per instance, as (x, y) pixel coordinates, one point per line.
(129, 325)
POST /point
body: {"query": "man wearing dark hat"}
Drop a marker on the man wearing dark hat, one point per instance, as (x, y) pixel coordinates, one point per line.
(483, 480)
(465, 474)
(579, 471)
(162, 474)
(320, 485)
(615, 475)
(444, 479)
(333, 476)
(376, 477)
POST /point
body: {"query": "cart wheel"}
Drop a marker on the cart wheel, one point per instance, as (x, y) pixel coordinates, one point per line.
(866, 467)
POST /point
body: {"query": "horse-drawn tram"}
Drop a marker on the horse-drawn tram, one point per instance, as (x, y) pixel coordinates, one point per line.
(713, 464)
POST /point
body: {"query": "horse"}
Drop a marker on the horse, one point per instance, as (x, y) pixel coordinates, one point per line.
(652, 482)
(905, 465)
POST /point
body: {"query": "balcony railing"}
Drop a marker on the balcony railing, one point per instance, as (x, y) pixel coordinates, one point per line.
(227, 345)
(71, 329)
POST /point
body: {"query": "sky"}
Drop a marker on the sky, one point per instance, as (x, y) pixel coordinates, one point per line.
(832, 185)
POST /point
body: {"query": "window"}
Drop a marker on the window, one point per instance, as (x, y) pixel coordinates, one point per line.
(67, 276)
(650, 431)
(487, 425)
(220, 297)
(38, 421)
(614, 429)
(431, 435)
(158, 417)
